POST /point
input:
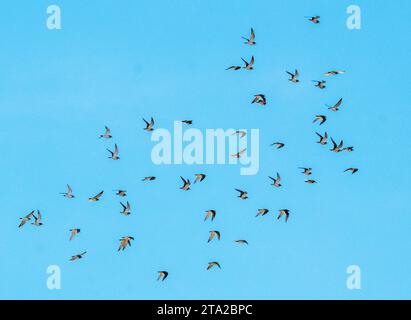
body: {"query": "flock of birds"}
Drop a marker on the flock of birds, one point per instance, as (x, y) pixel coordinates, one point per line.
(126, 241)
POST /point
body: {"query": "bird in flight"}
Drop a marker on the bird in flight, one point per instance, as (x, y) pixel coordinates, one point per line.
(214, 233)
(242, 241)
(333, 73)
(248, 65)
(121, 193)
(187, 122)
(314, 19)
(294, 76)
(240, 133)
(78, 256)
(107, 134)
(336, 148)
(260, 99)
(352, 170)
(262, 212)
(320, 118)
(235, 68)
(199, 177)
(124, 241)
(306, 171)
(278, 145)
(37, 220)
(250, 41)
(26, 219)
(162, 275)
(348, 149)
(239, 154)
(336, 106)
(212, 264)
(149, 178)
(283, 212)
(310, 181)
(276, 182)
(126, 208)
(149, 126)
(69, 194)
(186, 185)
(320, 83)
(243, 194)
(96, 197)
(114, 154)
(323, 139)
(73, 233)
(210, 213)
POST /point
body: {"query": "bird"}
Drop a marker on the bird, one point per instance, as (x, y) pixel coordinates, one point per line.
(314, 19)
(353, 170)
(212, 264)
(262, 212)
(214, 233)
(276, 182)
(149, 178)
(348, 149)
(323, 139)
(149, 126)
(307, 171)
(162, 275)
(126, 208)
(73, 233)
(235, 68)
(96, 197)
(26, 219)
(210, 213)
(186, 185)
(107, 134)
(242, 241)
(320, 84)
(320, 118)
(243, 194)
(336, 148)
(240, 133)
(310, 181)
(121, 193)
(37, 220)
(294, 76)
(279, 145)
(114, 154)
(78, 256)
(250, 41)
(199, 177)
(249, 65)
(187, 121)
(260, 99)
(336, 106)
(285, 212)
(333, 73)
(124, 241)
(69, 194)
(239, 154)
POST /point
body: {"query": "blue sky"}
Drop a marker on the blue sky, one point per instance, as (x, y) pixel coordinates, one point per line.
(115, 62)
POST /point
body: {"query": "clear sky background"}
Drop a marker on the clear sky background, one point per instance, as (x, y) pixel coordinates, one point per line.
(115, 62)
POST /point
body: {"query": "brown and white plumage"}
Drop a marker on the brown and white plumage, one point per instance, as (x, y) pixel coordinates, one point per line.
(321, 118)
(249, 65)
(162, 275)
(239, 154)
(306, 171)
(126, 208)
(235, 68)
(149, 125)
(107, 134)
(240, 133)
(199, 177)
(294, 76)
(320, 84)
(276, 181)
(352, 170)
(149, 178)
(310, 181)
(336, 106)
(241, 241)
(334, 72)
(259, 99)
(278, 145)
(26, 218)
(69, 194)
(323, 139)
(78, 256)
(186, 184)
(314, 19)
(121, 193)
(96, 197)
(37, 219)
(114, 154)
(250, 41)
(262, 212)
(336, 148)
(243, 194)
